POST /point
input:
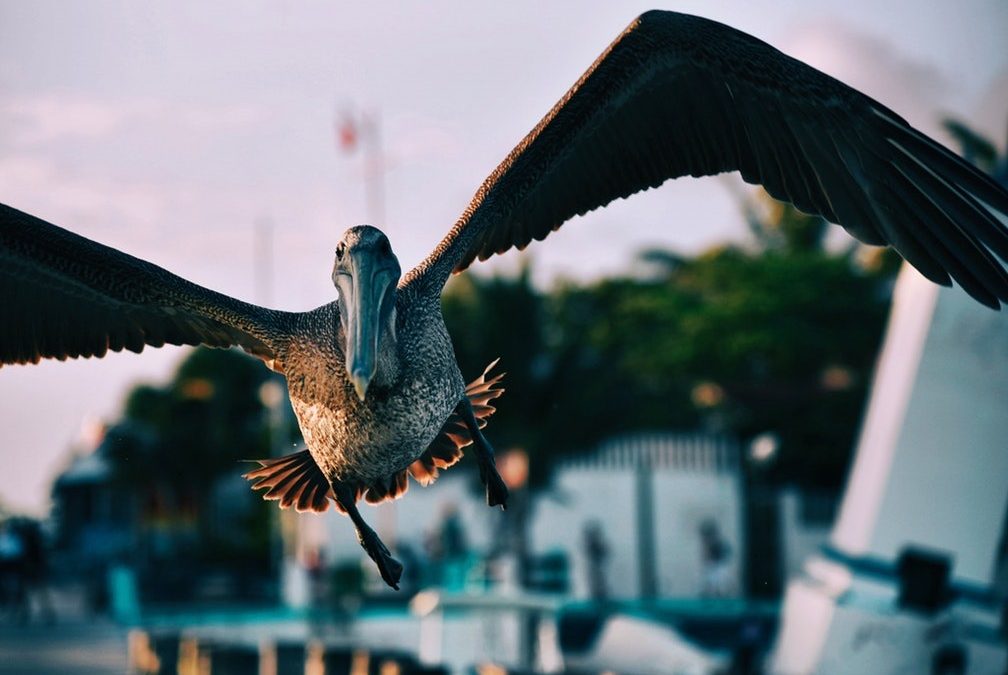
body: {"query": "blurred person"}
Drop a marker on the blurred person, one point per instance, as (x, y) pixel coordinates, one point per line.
(452, 534)
(715, 556)
(316, 568)
(453, 547)
(596, 552)
(35, 572)
(12, 551)
(745, 656)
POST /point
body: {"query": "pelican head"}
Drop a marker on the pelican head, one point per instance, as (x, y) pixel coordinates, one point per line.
(366, 273)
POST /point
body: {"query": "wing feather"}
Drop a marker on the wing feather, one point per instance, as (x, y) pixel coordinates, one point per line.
(65, 296)
(677, 95)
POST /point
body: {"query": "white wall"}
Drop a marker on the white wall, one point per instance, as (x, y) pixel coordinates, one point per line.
(682, 501)
(799, 540)
(580, 496)
(948, 487)
(932, 462)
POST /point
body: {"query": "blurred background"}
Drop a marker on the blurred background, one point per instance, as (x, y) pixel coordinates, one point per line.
(736, 440)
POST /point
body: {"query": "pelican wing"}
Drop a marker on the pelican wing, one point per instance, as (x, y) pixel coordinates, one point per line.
(679, 95)
(62, 295)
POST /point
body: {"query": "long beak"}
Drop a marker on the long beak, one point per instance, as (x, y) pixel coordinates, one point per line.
(369, 287)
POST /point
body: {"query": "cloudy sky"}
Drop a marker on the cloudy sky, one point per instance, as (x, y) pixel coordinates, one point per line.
(170, 129)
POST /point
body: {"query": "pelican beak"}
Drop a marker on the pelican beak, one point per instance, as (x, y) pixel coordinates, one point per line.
(367, 290)
(360, 383)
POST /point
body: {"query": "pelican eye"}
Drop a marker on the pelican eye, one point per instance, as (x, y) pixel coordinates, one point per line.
(340, 250)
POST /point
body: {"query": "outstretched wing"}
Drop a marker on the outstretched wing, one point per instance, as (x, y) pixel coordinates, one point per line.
(678, 95)
(62, 295)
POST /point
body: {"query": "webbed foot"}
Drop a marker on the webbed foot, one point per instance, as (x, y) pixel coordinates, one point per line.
(496, 490)
(389, 568)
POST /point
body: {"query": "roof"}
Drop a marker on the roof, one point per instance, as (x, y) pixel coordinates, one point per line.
(87, 468)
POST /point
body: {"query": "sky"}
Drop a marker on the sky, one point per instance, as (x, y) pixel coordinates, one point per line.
(174, 130)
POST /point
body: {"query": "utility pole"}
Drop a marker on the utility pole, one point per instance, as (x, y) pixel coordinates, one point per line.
(364, 130)
(644, 492)
(374, 168)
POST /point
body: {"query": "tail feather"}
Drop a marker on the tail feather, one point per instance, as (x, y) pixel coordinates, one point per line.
(294, 480)
(393, 487)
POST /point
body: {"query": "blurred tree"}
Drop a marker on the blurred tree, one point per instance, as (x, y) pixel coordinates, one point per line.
(974, 146)
(178, 441)
(781, 338)
(744, 343)
(504, 317)
(779, 226)
(979, 149)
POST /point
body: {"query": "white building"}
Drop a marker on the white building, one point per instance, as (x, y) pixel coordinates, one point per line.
(930, 478)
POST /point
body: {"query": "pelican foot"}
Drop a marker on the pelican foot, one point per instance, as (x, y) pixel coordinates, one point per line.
(496, 490)
(389, 568)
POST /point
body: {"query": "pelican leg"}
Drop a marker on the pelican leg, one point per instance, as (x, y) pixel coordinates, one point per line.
(496, 490)
(389, 568)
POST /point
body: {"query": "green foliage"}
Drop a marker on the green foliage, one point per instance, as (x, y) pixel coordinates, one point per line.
(502, 318)
(975, 148)
(205, 420)
(785, 228)
(979, 149)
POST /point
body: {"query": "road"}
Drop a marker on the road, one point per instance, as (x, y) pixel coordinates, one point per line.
(74, 643)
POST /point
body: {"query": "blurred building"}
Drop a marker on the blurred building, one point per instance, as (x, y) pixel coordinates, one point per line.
(102, 520)
(658, 499)
(907, 581)
(806, 520)
(93, 518)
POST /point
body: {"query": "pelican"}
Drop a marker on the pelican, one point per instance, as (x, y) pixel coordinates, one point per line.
(373, 377)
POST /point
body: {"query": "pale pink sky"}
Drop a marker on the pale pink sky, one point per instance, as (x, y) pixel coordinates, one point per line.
(168, 129)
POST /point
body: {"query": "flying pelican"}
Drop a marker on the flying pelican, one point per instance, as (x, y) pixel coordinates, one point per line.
(372, 376)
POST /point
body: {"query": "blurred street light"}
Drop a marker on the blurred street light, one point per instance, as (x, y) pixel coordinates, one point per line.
(763, 448)
(707, 395)
(271, 394)
(514, 468)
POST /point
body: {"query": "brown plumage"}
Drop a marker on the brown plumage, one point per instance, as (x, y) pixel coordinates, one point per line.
(295, 481)
(372, 376)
